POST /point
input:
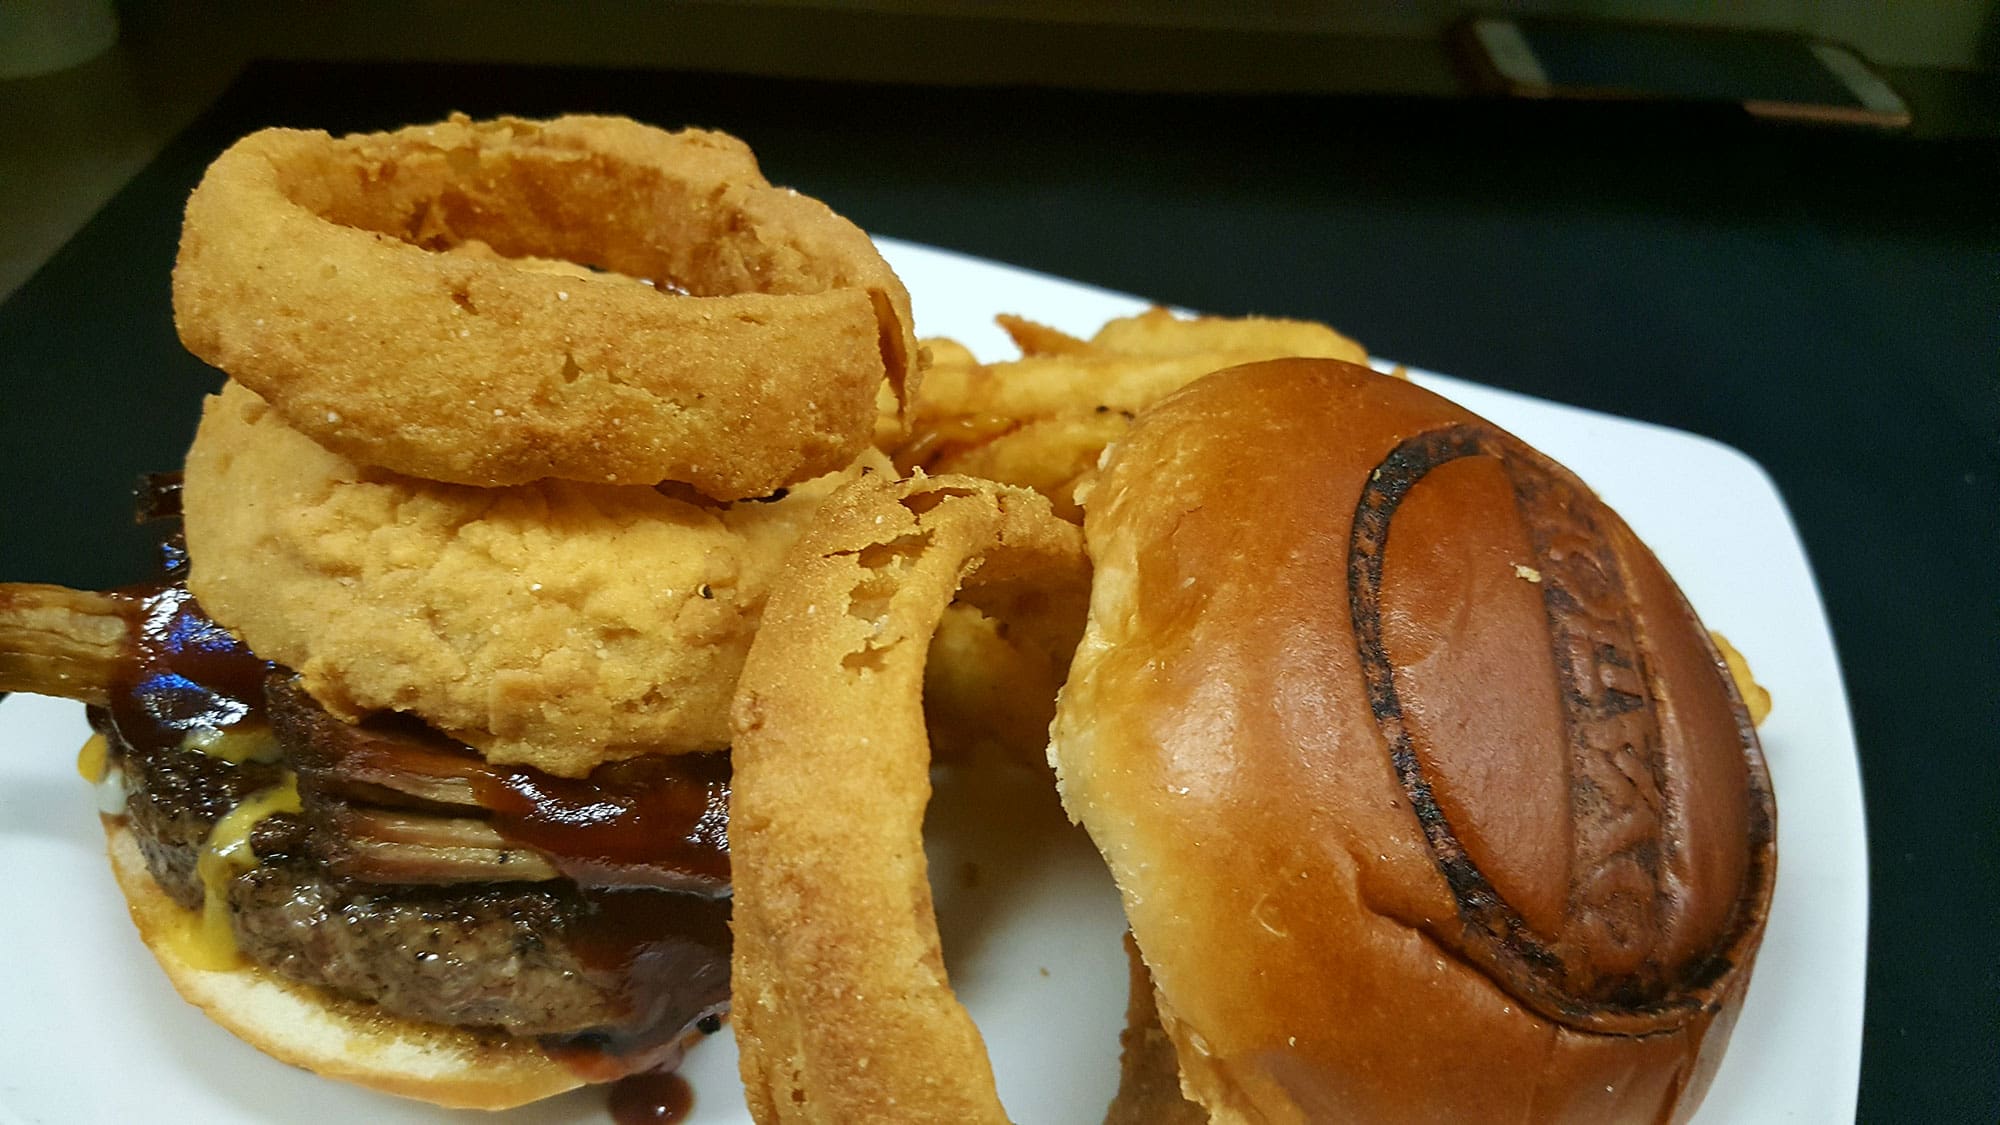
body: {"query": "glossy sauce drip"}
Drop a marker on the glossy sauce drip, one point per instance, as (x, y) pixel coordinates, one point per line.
(660, 820)
(158, 497)
(668, 811)
(186, 673)
(670, 952)
(644, 841)
(624, 834)
(651, 1099)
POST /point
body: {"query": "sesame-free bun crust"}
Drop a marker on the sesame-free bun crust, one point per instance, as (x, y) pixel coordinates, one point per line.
(1428, 796)
(335, 1038)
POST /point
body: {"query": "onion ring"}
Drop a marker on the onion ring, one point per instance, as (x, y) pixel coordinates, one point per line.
(839, 995)
(559, 625)
(314, 270)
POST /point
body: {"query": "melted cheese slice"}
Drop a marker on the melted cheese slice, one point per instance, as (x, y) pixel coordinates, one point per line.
(207, 942)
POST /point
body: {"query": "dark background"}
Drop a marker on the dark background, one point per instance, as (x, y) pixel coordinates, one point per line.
(1826, 300)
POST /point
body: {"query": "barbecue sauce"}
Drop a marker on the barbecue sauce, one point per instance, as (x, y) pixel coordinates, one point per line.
(618, 834)
(653, 1098)
(186, 676)
(187, 683)
(659, 820)
(660, 811)
(671, 953)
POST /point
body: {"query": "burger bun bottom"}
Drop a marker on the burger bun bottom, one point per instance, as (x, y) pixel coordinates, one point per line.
(345, 1040)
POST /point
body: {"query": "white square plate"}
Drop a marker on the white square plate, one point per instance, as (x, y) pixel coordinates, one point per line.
(95, 1033)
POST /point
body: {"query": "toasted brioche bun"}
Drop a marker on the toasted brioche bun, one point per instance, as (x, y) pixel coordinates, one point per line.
(335, 1038)
(1428, 796)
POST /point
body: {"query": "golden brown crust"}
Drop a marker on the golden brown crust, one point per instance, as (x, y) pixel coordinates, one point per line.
(1149, 1077)
(1039, 339)
(64, 642)
(335, 1039)
(1755, 696)
(1459, 822)
(309, 270)
(1131, 363)
(556, 624)
(1050, 455)
(1157, 331)
(839, 996)
(987, 693)
(1041, 421)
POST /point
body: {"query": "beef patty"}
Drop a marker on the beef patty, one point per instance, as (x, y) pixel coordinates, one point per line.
(620, 969)
(592, 913)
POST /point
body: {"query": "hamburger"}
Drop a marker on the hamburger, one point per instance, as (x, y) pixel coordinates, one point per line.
(371, 898)
(421, 781)
(1427, 794)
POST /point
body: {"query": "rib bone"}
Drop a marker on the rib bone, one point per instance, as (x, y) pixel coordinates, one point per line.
(59, 641)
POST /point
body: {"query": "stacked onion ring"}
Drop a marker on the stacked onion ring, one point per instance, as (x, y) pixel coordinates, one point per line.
(387, 293)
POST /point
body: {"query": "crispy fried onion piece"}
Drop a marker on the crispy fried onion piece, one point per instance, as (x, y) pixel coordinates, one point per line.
(1149, 1076)
(1042, 420)
(842, 1008)
(558, 625)
(1755, 697)
(392, 295)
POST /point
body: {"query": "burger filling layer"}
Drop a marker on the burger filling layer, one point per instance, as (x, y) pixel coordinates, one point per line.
(390, 865)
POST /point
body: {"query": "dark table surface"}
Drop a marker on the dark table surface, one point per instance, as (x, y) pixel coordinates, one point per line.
(1826, 300)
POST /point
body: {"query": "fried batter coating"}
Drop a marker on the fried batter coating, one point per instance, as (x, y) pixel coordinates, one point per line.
(1040, 421)
(1149, 1076)
(1158, 331)
(727, 334)
(1756, 699)
(555, 624)
(840, 999)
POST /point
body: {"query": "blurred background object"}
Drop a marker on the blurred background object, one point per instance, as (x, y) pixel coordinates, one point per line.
(43, 36)
(69, 138)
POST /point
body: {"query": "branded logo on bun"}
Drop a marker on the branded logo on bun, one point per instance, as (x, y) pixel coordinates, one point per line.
(1428, 796)
(1618, 945)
